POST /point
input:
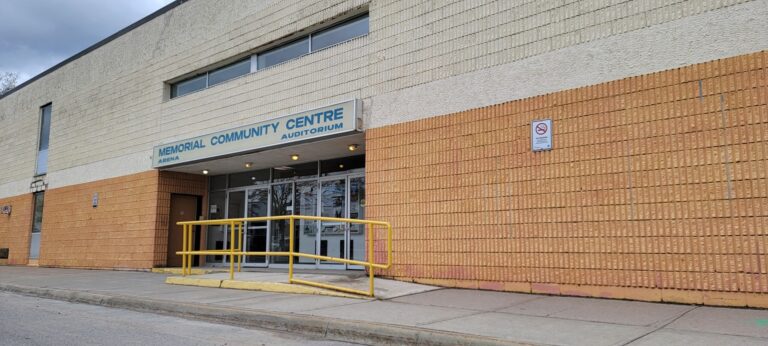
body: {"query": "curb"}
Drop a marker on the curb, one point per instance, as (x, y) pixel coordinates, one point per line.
(328, 328)
(177, 271)
(278, 287)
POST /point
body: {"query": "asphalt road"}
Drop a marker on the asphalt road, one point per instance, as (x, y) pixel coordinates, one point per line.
(34, 321)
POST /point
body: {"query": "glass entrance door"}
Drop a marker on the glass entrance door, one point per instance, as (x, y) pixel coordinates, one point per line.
(281, 204)
(332, 192)
(356, 237)
(333, 203)
(235, 210)
(256, 232)
(306, 204)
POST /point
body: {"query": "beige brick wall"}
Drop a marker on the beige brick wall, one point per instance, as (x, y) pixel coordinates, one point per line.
(656, 189)
(110, 107)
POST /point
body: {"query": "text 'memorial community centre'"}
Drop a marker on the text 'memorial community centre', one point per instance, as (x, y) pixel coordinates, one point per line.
(595, 148)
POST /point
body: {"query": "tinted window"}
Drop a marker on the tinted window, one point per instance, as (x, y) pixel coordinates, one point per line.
(329, 167)
(188, 86)
(42, 162)
(283, 53)
(303, 170)
(37, 218)
(216, 203)
(249, 178)
(228, 72)
(218, 182)
(45, 127)
(340, 33)
(45, 134)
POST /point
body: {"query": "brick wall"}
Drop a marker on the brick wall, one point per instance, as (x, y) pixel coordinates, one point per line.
(181, 183)
(127, 230)
(656, 190)
(15, 229)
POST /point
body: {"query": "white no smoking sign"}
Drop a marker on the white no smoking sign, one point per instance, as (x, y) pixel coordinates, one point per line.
(541, 135)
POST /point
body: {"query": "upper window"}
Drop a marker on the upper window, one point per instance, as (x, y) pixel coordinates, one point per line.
(229, 72)
(213, 77)
(283, 53)
(340, 33)
(313, 42)
(45, 134)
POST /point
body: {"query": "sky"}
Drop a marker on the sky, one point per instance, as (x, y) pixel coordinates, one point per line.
(38, 34)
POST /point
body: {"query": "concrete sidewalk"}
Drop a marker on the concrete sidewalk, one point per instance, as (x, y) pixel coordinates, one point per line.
(442, 316)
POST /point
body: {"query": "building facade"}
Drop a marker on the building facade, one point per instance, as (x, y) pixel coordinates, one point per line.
(423, 114)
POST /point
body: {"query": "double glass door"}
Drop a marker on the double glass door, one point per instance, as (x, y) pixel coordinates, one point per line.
(340, 197)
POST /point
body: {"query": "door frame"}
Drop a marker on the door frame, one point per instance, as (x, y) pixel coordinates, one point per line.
(248, 189)
(268, 263)
(348, 242)
(293, 212)
(197, 228)
(318, 236)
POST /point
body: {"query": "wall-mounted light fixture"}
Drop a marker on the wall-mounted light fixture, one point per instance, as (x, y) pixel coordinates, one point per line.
(352, 147)
(248, 164)
(205, 171)
(295, 157)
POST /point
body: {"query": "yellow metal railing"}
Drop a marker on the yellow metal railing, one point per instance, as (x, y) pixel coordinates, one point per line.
(236, 249)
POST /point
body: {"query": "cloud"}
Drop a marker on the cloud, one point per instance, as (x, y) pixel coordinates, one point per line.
(37, 34)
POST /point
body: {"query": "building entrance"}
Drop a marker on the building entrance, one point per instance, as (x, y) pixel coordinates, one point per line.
(336, 192)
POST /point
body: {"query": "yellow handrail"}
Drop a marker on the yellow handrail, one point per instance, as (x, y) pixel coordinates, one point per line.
(235, 248)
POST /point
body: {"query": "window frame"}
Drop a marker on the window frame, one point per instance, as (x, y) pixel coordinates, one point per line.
(254, 57)
(40, 133)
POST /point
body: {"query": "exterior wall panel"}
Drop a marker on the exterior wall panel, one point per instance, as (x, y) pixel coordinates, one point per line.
(128, 229)
(15, 229)
(655, 189)
(111, 104)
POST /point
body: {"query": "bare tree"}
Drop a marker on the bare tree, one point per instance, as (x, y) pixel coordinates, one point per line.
(7, 81)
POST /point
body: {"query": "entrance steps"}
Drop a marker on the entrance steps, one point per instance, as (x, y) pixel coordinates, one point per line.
(277, 281)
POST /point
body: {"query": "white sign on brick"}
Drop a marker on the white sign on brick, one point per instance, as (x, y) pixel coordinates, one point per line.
(541, 135)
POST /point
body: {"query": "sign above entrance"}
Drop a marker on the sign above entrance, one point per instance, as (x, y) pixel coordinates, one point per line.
(321, 122)
(541, 135)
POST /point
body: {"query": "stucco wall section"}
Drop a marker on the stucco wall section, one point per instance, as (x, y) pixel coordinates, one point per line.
(657, 188)
(112, 103)
(605, 55)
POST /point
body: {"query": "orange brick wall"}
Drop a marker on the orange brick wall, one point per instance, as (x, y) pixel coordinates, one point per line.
(15, 229)
(127, 230)
(171, 182)
(656, 189)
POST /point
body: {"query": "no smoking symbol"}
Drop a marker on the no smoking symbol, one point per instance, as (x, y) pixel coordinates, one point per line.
(541, 128)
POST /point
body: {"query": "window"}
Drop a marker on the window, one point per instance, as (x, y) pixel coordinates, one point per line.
(340, 33)
(229, 72)
(302, 170)
(45, 134)
(189, 85)
(210, 78)
(304, 45)
(283, 53)
(314, 42)
(344, 165)
(249, 178)
(37, 224)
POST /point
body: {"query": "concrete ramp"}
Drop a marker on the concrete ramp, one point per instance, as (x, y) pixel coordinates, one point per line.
(278, 282)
